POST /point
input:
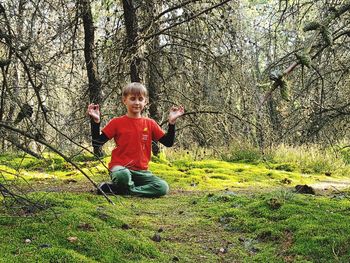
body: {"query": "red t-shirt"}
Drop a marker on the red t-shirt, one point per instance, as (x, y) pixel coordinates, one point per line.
(133, 138)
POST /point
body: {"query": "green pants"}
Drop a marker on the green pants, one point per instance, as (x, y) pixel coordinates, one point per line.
(141, 183)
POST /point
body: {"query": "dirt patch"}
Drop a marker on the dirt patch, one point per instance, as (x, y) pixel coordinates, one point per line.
(330, 185)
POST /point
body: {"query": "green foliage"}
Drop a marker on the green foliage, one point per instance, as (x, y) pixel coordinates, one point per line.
(289, 167)
(284, 89)
(308, 159)
(344, 8)
(345, 154)
(243, 153)
(304, 59)
(84, 158)
(4, 62)
(160, 158)
(327, 35)
(311, 26)
(52, 162)
(276, 75)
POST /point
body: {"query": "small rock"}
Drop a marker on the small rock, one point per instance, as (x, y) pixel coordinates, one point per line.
(126, 226)
(223, 250)
(27, 241)
(72, 239)
(45, 245)
(304, 189)
(241, 239)
(156, 237)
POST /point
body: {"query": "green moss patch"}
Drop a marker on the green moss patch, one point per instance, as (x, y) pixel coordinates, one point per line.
(215, 212)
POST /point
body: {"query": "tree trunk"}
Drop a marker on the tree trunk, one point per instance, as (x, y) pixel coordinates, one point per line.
(153, 60)
(95, 92)
(131, 27)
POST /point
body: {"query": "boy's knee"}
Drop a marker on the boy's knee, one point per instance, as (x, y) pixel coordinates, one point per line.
(162, 188)
(121, 176)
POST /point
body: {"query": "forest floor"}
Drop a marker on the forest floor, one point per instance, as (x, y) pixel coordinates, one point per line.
(216, 211)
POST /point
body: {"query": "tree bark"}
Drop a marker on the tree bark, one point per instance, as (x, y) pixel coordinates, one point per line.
(95, 90)
(131, 27)
(153, 60)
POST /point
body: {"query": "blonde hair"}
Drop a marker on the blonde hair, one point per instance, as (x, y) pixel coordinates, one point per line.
(134, 88)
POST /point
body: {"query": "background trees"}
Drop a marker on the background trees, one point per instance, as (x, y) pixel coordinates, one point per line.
(263, 72)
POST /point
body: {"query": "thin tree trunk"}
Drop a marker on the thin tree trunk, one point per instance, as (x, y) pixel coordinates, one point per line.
(153, 75)
(95, 90)
(131, 27)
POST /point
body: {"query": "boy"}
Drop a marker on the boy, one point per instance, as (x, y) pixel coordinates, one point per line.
(133, 135)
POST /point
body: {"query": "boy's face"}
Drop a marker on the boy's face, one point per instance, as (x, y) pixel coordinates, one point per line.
(134, 104)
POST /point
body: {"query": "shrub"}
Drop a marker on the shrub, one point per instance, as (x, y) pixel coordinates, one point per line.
(345, 154)
(245, 153)
(308, 158)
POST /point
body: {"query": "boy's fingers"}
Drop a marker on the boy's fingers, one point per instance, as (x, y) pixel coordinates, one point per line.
(91, 106)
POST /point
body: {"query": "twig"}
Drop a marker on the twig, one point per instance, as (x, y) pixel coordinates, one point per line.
(186, 20)
(67, 159)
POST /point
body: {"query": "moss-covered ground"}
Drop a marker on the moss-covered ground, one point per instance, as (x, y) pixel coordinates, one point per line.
(216, 211)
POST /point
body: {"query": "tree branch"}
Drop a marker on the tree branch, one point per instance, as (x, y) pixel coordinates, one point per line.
(184, 21)
(67, 159)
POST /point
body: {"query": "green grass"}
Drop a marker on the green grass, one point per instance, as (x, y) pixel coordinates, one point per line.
(217, 211)
(97, 226)
(315, 229)
(311, 159)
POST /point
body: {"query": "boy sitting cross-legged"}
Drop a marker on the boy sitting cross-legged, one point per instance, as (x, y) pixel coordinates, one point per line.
(133, 135)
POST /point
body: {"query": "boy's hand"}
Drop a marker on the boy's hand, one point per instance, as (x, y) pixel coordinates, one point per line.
(175, 112)
(93, 111)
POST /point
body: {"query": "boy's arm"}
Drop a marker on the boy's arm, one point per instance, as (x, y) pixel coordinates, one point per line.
(97, 139)
(168, 138)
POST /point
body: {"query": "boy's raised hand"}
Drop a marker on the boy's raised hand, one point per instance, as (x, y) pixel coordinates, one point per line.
(175, 112)
(93, 111)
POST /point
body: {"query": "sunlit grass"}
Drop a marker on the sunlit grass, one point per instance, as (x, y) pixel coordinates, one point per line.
(310, 158)
(214, 212)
